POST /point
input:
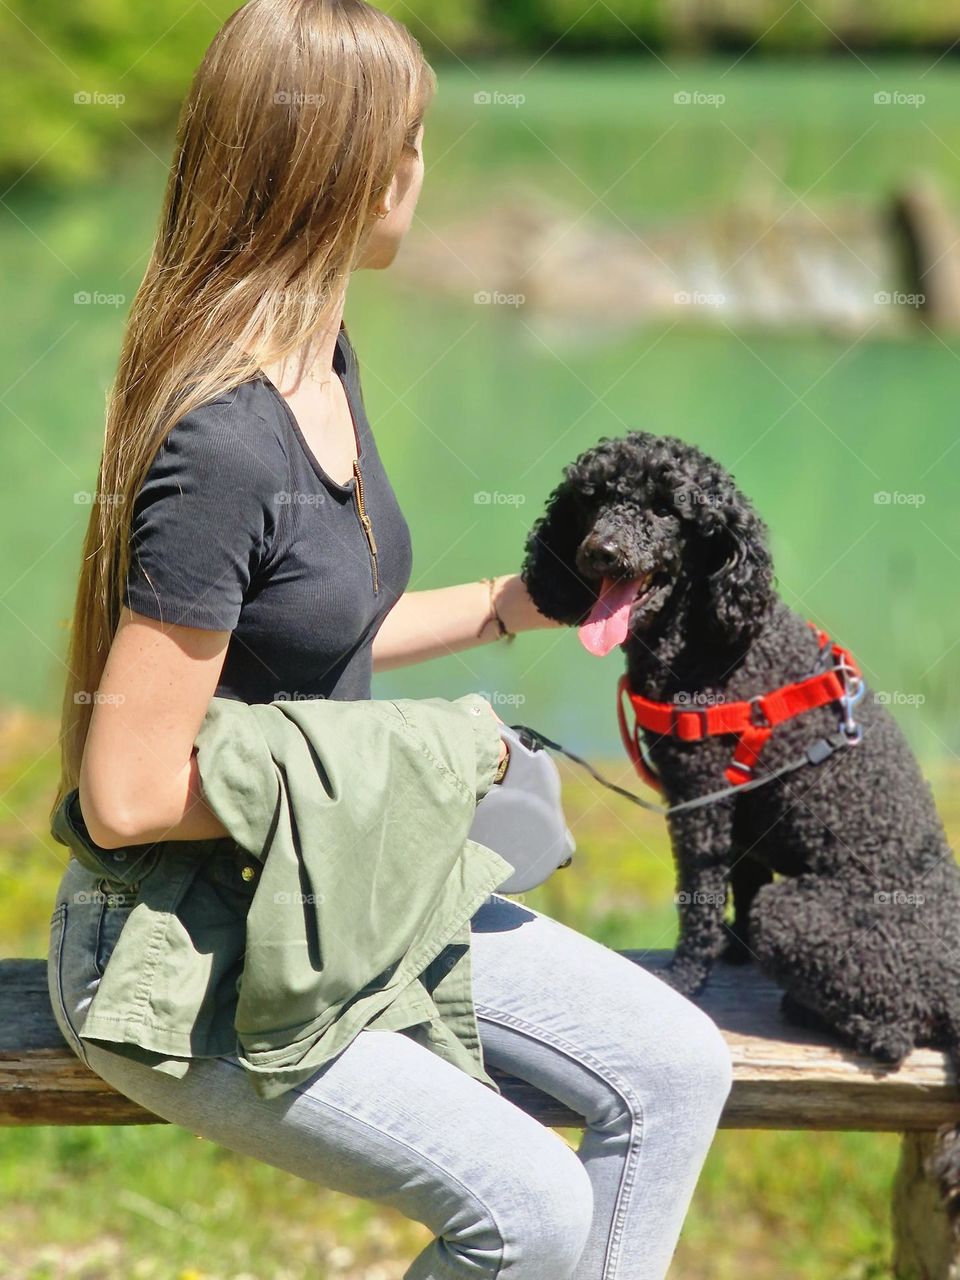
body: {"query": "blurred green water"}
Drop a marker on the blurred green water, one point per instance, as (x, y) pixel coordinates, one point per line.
(468, 400)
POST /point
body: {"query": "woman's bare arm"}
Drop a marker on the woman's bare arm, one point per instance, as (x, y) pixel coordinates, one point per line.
(430, 624)
(138, 778)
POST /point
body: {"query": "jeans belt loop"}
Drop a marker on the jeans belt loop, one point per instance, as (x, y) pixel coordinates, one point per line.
(116, 893)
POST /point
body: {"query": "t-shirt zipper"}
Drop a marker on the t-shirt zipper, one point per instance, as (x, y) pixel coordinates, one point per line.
(367, 527)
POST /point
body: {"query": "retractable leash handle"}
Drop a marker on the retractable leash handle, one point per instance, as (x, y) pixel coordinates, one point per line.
(521, 818)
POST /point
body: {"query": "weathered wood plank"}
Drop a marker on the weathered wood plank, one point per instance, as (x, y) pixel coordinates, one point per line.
(789, 1077)
(785, 1077)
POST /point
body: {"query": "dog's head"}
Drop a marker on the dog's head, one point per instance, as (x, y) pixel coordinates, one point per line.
(645, 532)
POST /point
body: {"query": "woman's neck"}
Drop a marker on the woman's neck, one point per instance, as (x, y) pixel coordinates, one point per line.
(312, 364)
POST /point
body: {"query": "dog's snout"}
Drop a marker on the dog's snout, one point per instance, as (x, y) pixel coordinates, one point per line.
(599, 554)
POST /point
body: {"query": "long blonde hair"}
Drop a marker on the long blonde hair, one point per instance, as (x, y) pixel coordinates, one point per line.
(293, 127)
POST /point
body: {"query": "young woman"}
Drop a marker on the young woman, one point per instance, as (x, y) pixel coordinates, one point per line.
(261, 554)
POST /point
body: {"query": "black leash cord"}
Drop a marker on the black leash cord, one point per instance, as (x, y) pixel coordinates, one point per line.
(815, 754)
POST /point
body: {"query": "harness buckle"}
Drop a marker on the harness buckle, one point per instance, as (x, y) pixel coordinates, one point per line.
(745, 769)
(703, 724)
(758, 717)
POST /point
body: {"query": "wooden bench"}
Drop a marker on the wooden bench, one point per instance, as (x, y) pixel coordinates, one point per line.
(785, 1078)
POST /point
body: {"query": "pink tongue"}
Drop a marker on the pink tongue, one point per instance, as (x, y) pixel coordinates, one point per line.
(609, 619)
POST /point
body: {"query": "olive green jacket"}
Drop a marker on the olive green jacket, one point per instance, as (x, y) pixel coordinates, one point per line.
(341, 899)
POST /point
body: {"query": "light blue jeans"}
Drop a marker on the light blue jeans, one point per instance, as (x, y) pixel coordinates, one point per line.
(391, 1122)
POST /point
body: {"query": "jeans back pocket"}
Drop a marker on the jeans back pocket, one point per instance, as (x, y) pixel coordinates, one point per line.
(115, 908)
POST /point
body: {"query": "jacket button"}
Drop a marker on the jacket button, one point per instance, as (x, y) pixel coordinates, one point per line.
(247, 873)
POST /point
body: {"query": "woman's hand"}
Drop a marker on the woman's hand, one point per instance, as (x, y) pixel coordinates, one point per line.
(515, 607)
(504, 749)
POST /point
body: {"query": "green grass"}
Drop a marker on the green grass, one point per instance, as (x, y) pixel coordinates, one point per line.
(156, 1203)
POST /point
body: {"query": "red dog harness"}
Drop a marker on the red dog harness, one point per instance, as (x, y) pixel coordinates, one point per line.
(751, 722)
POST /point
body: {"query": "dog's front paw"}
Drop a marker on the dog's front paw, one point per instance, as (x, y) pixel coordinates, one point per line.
(889, 1045)
(685, 977)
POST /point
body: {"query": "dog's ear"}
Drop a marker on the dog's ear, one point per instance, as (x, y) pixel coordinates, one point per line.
(729, 560)
(548, 569)
(739, 578)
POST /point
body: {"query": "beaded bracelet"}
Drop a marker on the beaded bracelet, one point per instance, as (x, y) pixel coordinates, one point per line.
(501, 626)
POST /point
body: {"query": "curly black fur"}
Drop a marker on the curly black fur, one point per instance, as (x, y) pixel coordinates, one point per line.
(861, 926)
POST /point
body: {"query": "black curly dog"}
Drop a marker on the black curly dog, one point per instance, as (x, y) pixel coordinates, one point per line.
(861, 926)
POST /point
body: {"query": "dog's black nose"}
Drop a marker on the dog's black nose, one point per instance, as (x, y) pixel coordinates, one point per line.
(599, 555)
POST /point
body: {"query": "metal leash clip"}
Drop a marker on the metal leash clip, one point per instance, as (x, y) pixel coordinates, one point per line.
(854, 689)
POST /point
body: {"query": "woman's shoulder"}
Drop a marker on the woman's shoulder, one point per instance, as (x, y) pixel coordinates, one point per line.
(235, 435)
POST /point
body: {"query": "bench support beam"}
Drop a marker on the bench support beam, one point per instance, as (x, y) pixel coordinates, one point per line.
(924, 1247)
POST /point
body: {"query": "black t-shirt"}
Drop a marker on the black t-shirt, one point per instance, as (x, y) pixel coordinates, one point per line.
(237, 527)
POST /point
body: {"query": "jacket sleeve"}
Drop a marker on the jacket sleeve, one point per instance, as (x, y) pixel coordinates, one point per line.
(460, 734)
